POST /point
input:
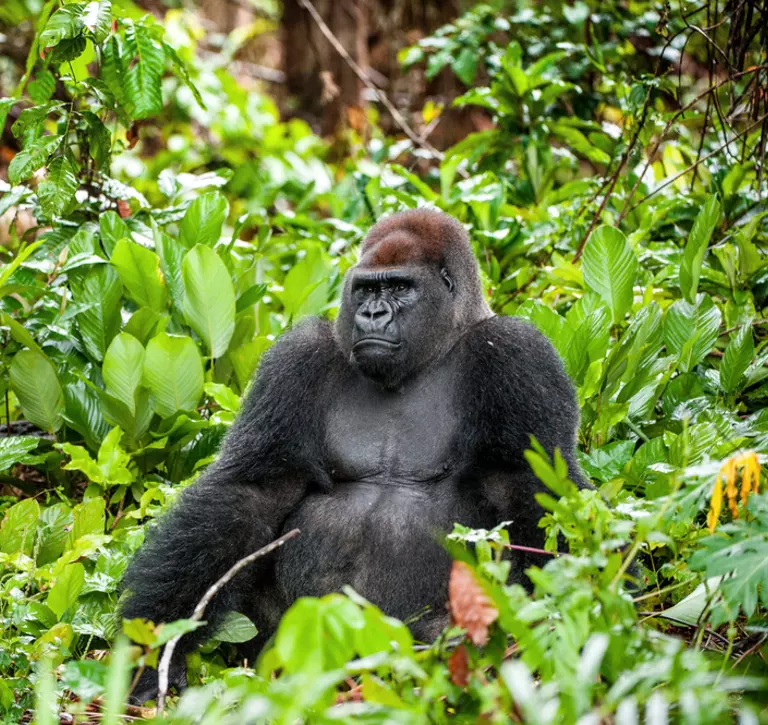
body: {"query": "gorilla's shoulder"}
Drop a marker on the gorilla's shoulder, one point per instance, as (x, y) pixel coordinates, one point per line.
(311, 342)
(506, 340)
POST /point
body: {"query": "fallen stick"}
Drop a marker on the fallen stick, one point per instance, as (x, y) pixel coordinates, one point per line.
(197, 614)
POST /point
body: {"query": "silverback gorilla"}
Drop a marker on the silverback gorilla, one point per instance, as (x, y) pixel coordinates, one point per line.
(372, 436)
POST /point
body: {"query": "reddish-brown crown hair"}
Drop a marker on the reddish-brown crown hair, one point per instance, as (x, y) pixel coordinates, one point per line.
(413, 236)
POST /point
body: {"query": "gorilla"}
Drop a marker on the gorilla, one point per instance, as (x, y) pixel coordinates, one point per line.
(372, 435)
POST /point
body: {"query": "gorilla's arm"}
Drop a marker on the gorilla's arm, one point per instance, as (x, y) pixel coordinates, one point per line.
(520, 389)
(269, 459)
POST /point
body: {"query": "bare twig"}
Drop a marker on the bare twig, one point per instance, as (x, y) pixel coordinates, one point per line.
(366, 79)
(652, 153)
(690, 168)
(197, 614)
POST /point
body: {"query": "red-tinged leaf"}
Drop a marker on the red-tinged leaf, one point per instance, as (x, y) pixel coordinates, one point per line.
(471, 608)
(458, 666)
(123, 208)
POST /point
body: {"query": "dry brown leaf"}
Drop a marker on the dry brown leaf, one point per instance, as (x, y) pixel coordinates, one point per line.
(458, 666)
(471, 608)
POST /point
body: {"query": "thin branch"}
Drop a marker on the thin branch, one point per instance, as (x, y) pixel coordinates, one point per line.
(652, 153)
(366, 79)
(197, 614)
(690, 168)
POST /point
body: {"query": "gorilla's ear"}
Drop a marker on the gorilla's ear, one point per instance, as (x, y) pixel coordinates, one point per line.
(449, 283)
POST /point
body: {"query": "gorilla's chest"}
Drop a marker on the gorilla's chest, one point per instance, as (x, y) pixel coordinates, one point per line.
(400, 437)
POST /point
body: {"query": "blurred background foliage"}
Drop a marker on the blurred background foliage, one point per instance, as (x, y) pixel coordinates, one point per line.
(181, 182)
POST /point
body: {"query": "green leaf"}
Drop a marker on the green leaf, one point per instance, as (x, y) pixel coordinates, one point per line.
(738, 355)
(203, 220)
(6, 104)
(112, 229)
(101, 291)
(97, 19)
(14, 449)
(66, 589)
(31, 158)
(19, 527)
(113, 70)
(691, 331)
(235, 627)
(41, 89)
(34, 380)
(99, 140)
(173, 370)
(84, 413)
(123, 368)
(696, 247)
(209, 301)
(465, 65)
(610, 269)
(57, 192)
(139, 270)
(224, 396)
(66, 22)
(142, 79)
(171, 254)
(86, 678)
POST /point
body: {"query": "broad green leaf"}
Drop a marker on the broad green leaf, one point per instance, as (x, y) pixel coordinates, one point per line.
(144, 324)
(65, 590)
(17, 532)
(34, 380)
(85, 678)
(89, 518)
(696, 247)
(101, 291)
(738, 355)
(134, 423)
(113, 70)
(691, 331)
(31, 158)
(173, 370)
(209, 301)
(83, 413)
(97, 19)
(66, 22)
(14, 449)
(465, 65)
(41, 89)
(171, 253)
(203, 220)
(142, 79)
(111, 230)
(123, 368)
(57, 192)
(29, 124)
(305, 288)
(6, 104)
(235, 627)
(139, 270)
(609, 266)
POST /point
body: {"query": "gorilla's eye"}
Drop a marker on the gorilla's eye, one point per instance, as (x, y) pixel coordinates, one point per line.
(400, 287)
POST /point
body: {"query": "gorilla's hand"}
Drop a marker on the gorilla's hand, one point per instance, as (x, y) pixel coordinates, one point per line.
(147, 686)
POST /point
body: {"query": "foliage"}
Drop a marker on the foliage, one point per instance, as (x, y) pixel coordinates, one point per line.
(180, 227)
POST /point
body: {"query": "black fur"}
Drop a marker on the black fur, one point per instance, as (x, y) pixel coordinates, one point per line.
(371, 449)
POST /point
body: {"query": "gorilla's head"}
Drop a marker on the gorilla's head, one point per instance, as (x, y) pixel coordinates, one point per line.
(414, 292)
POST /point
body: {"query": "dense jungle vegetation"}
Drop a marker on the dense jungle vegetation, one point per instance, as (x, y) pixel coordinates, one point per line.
(163, 220)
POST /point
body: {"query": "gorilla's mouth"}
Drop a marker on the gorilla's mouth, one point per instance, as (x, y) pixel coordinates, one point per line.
(375, 342)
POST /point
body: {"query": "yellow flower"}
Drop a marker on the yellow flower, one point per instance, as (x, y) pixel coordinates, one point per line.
(750, 483)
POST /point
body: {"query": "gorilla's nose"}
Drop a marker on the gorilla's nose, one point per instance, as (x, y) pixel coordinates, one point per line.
(374, 316)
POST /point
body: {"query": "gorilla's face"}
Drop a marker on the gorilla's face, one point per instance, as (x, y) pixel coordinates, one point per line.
(395, 320)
